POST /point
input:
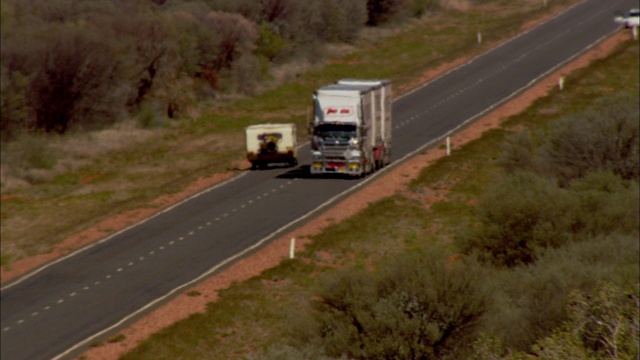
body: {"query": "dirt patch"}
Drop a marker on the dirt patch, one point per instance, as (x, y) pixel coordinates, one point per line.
(387, 185)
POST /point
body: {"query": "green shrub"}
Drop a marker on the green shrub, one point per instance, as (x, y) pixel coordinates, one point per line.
(518, 153)
(602, 138)
(519, 216)
(29, 152)
(13, 109)
(602, 324)
(415, 306)
(529, 302)
(608, 205)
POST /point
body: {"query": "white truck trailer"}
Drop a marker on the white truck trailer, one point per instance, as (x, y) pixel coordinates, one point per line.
(271, 143)
(351, 127)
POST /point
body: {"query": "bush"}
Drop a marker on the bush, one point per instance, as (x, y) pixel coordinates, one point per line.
(528, 303)
(76, 82)
(417, 306)
(604, 138)
(608, 205)
(600, 325)
(13, 109)
(518, 217)
(380, 11)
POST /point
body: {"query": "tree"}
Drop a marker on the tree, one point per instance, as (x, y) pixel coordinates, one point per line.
(237, 36)
(603, 138)
(419, 306)
(380, 11)
(76, 81)
(13, 109)
(519, 216)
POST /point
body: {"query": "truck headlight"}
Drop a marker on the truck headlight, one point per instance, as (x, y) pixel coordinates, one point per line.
(317, 165)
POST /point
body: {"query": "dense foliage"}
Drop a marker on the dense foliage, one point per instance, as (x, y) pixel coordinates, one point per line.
(79, 63)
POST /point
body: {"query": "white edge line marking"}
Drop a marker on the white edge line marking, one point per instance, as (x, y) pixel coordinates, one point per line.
(89, 246)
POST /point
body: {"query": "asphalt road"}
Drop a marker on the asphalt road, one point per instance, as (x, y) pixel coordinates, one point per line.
(59, 310)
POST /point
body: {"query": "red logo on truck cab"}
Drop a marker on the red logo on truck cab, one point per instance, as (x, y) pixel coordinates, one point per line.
(338, 111)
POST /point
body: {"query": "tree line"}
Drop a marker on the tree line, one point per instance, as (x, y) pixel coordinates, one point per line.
(82, 64)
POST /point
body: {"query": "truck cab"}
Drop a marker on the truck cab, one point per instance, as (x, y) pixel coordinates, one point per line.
(351, 127)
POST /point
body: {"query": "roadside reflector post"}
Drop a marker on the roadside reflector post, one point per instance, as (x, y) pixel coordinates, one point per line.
(634, 32)
(561, 83)
(448, 146)
(479, 36)
(292, 248)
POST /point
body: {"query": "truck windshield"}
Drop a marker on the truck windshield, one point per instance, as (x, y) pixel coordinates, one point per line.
(335, 131)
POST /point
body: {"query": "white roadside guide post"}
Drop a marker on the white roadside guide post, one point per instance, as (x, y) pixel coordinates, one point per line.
(561, 83)
(448, 146)
(479, 37)
(634, 32)
(292, 249)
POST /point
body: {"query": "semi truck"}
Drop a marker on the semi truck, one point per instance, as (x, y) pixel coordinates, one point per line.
(351, 127)
(271, 143)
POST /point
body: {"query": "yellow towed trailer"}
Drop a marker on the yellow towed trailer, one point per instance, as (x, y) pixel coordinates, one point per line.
(271, 143)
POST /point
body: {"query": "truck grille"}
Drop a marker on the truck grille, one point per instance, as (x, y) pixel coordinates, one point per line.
(334, 151)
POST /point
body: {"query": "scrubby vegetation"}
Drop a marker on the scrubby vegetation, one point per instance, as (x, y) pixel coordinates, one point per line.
(84, 64)
(558, 263)
(521, 261)
(533, 254)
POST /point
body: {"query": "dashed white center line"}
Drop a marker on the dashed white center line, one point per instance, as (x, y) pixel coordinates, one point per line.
(152, 252)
